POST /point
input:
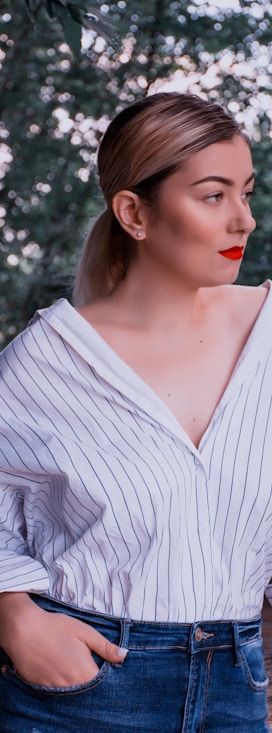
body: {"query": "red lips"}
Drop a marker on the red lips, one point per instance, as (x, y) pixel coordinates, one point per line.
(233, 253)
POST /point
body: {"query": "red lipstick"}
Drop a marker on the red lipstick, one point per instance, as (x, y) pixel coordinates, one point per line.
(233, 253)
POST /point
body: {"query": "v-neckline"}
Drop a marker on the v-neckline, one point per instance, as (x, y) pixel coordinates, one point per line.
(108, 363)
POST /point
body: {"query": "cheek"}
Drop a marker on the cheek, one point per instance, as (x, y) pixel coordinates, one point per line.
(192, 228)
(185, 221)
(177, 223)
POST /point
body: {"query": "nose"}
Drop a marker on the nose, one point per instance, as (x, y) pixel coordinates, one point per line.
(242, 219)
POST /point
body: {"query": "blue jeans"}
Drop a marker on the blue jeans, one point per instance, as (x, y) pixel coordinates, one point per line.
(177, 678)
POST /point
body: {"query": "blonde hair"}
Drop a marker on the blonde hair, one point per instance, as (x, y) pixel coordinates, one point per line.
(143, 145)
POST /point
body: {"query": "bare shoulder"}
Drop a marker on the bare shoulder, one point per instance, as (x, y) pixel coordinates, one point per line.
(97, 312)
(241, 304)
(246, 297)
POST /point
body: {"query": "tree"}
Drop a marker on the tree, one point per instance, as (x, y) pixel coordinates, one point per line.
(56, 105)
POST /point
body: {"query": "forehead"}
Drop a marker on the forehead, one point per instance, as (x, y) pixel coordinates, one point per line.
(229, 158)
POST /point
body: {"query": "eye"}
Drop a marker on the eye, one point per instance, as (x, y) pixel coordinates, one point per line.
(247, 195)
(214, 197)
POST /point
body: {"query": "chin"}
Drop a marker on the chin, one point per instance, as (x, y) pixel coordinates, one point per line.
(226, 278)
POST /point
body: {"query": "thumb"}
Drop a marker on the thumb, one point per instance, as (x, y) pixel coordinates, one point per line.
(105, 648)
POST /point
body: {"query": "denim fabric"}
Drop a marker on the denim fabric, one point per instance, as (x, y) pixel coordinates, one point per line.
(177, 678)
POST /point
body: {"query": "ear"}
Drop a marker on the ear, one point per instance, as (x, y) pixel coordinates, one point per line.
(131, 213)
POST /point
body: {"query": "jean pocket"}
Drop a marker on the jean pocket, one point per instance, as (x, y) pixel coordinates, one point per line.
(252, 661)
(10, 673)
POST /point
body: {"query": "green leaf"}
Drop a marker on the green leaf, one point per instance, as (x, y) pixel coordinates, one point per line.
(49, 8)
(31, 10)
(72, 33)
(72, 29)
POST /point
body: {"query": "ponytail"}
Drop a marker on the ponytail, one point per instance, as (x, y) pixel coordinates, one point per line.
(104, 261)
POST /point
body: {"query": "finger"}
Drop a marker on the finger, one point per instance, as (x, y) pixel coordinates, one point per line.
(105, 648)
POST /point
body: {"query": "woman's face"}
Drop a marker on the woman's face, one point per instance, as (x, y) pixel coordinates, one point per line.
(203, 216)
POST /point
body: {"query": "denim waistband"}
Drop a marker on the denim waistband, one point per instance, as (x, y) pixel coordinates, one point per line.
(194, 637)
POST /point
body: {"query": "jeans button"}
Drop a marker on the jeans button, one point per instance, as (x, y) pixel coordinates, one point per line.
(198, 634)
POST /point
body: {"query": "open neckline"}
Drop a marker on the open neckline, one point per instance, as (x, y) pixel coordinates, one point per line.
(127, 380)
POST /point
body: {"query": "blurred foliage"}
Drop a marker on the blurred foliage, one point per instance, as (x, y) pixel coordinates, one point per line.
(55, 105)
(74, 15)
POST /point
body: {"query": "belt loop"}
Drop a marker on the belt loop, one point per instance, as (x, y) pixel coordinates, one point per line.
(125, 624)
(236, 645)
(191, 640)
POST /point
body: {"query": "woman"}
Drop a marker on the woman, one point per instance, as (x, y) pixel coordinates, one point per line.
(136, 452)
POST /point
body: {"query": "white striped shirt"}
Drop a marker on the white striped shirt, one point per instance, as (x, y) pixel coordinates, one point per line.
(106, 504)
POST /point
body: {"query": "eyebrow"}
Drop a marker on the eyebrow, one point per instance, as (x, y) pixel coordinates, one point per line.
(222, 179)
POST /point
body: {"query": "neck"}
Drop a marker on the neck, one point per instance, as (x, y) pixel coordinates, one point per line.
(150, 302)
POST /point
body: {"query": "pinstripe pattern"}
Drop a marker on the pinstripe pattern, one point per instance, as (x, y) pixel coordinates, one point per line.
(106, 504)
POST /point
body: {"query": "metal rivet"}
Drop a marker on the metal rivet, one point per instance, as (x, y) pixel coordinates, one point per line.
(198, 634)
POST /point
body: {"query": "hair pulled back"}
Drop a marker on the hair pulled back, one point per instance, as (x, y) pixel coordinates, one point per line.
(143, 145)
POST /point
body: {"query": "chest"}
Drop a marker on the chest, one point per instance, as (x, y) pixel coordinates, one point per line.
(189, 381)
(189, 365)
